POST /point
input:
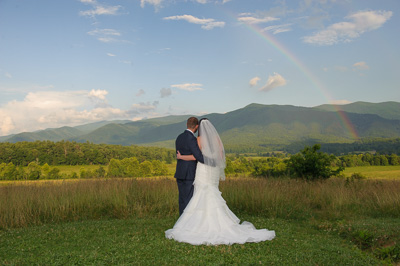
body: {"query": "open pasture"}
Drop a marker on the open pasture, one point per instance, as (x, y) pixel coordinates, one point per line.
(71, 200)
(123, 221)
(375, 172)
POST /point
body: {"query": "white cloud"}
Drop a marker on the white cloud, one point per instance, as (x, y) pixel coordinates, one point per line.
(165, 92)
(361, 66)
(7, 124)
(358, 24)
(99, 9)
(126, 62)
(253, 82)
(274, 81)
(88, 1)
(51, 109)
(206, 24)
(256, 20)
(155, 3)
(188, 86)
(278, 28)
(8, 75)
(105, 35)
(98, 94)
(110, 54)
(140, 108)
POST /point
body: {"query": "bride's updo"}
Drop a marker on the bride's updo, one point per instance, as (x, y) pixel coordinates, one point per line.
(200, 124)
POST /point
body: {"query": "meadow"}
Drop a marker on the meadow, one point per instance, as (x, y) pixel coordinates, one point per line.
(102, 221)
(375, 172)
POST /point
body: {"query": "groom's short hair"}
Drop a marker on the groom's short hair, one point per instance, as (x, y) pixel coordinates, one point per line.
(192, 122)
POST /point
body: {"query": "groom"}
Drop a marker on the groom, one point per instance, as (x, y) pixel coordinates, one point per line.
(186, 144)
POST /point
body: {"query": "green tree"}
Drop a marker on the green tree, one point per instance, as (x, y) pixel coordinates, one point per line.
(100, 172)
(54, 173)
(310, 164)
(159, 168)
(146, 169)
(394, 159)
(46, 170)
(34, 171)
(115, 169)
(130, 167)
(9, 172)
(384, 160)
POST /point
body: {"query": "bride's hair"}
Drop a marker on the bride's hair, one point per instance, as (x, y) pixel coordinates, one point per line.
(200, 123)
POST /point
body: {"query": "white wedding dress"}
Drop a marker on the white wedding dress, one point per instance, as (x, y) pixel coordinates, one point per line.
(207, 220)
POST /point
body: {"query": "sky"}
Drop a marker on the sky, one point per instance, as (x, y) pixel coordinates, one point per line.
(72, 62)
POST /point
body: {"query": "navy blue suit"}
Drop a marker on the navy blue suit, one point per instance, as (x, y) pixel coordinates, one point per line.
(186, 144)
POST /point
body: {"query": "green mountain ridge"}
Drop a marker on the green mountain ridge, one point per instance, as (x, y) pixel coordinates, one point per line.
(255, 127)
(389, 110)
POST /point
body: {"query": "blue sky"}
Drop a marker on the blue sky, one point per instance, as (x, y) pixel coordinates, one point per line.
(66, 63)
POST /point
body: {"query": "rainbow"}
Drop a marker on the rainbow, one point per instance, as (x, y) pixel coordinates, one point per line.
(310, 76)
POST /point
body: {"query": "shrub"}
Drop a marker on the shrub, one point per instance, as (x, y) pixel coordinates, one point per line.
(34, 171)
(310, 164)
(54, 173)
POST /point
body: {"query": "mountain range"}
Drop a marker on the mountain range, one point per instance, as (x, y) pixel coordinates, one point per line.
(255, 127)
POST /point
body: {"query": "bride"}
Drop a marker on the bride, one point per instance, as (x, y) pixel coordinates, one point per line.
(207, 220)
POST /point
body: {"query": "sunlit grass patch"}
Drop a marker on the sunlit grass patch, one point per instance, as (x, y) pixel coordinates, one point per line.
(375, 172)
(143, 242)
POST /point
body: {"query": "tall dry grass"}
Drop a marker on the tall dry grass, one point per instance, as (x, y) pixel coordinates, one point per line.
(330, 199)
(45, 202)
(48, 202)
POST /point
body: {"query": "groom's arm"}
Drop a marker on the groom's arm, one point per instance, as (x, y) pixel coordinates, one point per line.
(194, 148)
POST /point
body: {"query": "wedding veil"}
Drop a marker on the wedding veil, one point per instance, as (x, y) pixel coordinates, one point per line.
(212, 147)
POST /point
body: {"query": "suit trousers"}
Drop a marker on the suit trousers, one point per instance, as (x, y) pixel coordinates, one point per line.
(185, 188)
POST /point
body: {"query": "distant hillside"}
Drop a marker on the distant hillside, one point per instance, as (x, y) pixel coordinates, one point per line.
(253, 128)
(57, 134)
(48, 134)
(389, 110)
(93, 126)
(256, 127)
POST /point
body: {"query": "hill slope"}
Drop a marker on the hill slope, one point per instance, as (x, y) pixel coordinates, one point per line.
(255, 126)
(389, 110)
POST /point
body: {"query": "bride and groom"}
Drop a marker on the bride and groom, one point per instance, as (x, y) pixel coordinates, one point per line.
(205, 218)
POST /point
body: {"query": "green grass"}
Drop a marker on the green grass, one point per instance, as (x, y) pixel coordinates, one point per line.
(142, 241)
(122, 221)
(375, 172)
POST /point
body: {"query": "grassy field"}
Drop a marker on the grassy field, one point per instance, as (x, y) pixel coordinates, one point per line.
(375, 172)
(103, 221)
(370, 172)
(142, 241)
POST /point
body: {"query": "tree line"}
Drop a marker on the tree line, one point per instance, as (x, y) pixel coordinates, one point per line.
(309, 163)
(379, 145)
(30, 161)
(74, 153)
(127, 167)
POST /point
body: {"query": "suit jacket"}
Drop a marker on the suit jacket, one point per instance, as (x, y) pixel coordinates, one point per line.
(186, 144)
